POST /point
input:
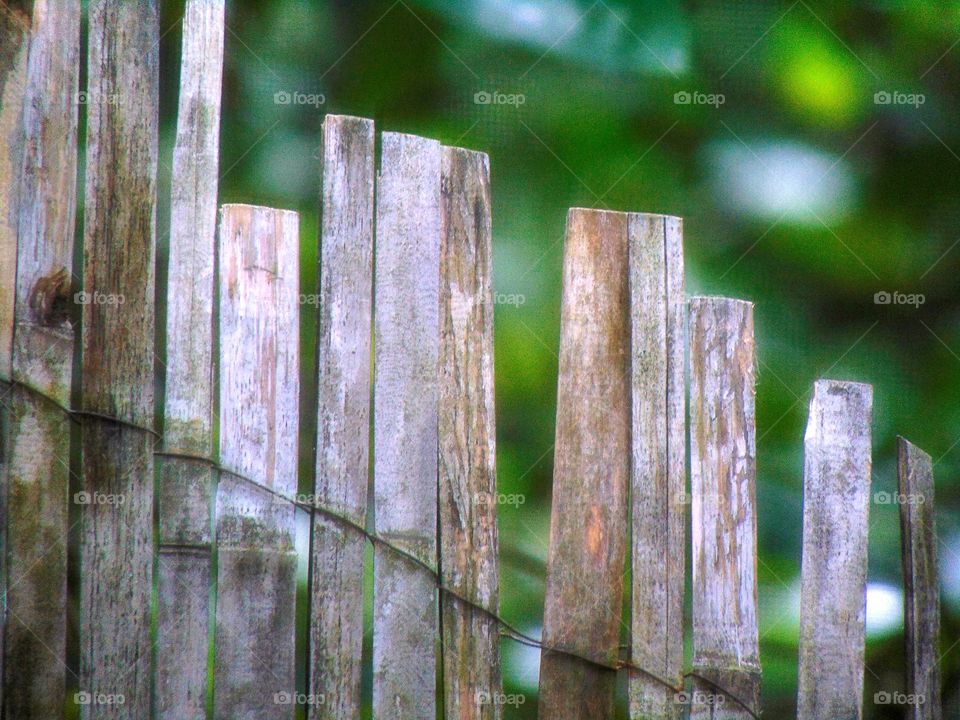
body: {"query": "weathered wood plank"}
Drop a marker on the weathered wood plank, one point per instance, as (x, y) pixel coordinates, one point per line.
(39, 449)
(467, 437)
(343, 416)
(658, 450)
(921, 579)
(186, 486)
(407, 340)
(836, 504)
(14, 45)
(588, 529)
(254, 671)
(723, 476)
(116, 557)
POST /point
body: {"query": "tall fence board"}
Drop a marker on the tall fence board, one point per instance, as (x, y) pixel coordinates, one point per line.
(836, 503)
(407, 340)
(658, 469)
(467, 436)
(43, 344)
(186, 484)
(723, 475)
(588, 530)
(343, 416)
(116, 558)
(254, 676)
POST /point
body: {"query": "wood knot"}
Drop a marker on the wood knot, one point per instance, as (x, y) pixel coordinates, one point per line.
(49, 298)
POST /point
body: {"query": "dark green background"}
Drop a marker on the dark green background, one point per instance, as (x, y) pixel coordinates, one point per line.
(799, 192)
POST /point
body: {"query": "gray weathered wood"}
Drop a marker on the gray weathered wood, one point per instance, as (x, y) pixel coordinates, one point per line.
(14, 44)
(588, 529)
(39, 439)
(658, 449)
(186, 486)
(921, 579)
(116, 557)
(259, 364)
(836, 504)
(407, 340)
(467, 437)
(343, 416)
(723, 475)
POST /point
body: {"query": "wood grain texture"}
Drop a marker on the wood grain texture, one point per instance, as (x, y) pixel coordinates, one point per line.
(836, 503)
(116, 557)
(186, 486)
(343, 415)
(39, 439)
(723, 476)
(658, 452)
(259, 369)
(588, 528)
(467, 437)
(921, 579)
(407, 340)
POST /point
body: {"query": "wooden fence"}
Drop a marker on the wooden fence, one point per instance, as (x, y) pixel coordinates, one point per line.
(185, 534)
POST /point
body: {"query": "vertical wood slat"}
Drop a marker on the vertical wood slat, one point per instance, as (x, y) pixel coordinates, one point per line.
(658, 461)
(921, 578)
(588, 531)
(118, 357)
(14, 40)
(343, 353)
(186, 486)
(254, 671)
(836, 503)
(467, 437)
(407, 343)
(723, 464)
(39, 440)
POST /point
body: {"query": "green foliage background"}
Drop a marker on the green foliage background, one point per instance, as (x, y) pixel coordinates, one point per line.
(799, 192)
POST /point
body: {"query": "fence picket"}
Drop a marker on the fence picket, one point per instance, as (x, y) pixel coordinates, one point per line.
(588, 530)
(921, 579)
(467, 436)
(186, 486)
(836, 504)
(43, 343)
(118, 358)
(658, 450)
(345, 304)
(723, 450)
(254, 672)
(405, 426)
